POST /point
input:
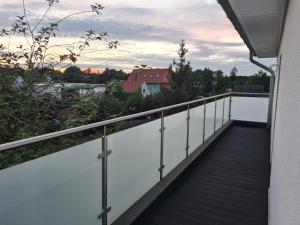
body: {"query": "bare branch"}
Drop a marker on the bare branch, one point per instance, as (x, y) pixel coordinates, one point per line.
(41, 19)
(73, 14)
(26, 18)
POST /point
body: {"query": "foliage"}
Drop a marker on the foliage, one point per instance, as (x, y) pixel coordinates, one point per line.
(93, 108)
(222, 82)
(115, 89)
(203, 79)
(182, 88)
(260, 78)
(134, 103)
(75, 75)
(25, 108)
(72, 70)
(36, 53)
(23, 113)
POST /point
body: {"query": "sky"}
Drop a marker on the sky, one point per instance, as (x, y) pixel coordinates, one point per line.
(148, 31)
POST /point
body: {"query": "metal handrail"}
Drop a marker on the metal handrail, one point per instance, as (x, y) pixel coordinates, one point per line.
(250, 94)
(57, 134)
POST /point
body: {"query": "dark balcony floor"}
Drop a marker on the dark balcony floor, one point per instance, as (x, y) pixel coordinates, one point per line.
(227, 185)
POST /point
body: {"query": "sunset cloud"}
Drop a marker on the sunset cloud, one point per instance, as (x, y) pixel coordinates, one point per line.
(148, 31)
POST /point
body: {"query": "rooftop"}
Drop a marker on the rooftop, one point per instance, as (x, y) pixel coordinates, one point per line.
(148, 76)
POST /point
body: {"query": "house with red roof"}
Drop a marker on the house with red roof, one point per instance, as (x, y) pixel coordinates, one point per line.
(148, 81)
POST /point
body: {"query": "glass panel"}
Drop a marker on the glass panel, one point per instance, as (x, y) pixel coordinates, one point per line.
(219, 113)
(175, 140)
(252, 109)
(61, 188)
(226, 111)
(132, 166)
(209, 121)
(196, 127)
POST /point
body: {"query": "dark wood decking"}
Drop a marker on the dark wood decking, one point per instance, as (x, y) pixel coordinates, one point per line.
(228, 185)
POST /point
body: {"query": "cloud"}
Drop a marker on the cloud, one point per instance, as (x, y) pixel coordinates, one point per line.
(149, 31)
(121, 30)
(130, 11)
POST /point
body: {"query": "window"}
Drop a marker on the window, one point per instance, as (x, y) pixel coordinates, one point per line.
(157, 75)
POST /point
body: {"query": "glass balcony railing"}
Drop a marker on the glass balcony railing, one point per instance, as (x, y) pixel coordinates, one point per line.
(97, 181)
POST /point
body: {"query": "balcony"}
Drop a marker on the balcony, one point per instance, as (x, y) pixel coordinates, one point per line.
(207, 162)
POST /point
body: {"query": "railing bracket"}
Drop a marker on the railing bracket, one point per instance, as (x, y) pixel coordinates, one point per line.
(161, 168)
(162, 129)
(104, 212)
(103, 154)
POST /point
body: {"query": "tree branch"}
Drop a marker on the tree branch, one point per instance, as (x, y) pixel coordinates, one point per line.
(41, 19)
(26, 18)
(73, 14)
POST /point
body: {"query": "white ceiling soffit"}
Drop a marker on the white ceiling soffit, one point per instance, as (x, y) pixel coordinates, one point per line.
(259, 22)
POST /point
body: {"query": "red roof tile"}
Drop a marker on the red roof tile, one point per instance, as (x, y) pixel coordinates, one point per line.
(149, 76)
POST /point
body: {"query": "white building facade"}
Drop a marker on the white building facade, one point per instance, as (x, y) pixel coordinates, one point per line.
(270, 28)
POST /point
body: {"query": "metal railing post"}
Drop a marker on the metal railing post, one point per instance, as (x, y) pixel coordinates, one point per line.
(223, 112)
(215, 118)
(162, 134)
(204, 121)
(230, 101)
(188, 131)
(103, 156)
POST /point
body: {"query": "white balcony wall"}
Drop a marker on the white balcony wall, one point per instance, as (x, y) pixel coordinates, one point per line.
(219, 113)
(196, 128)
(252, 109)
(61, 188)
(209, 120)
(132, 166)
(226, 111)
(175, 140)
(285, 173)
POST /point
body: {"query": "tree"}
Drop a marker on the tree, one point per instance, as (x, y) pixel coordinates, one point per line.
(93, 108)
(72, 70)
(27, 110)
(115, 89)
(205, 79)
(181, 78)
(260, 78)
(72, 74)
(113, 74)
(222, 83)
(134, 103)
(23, 115)
(37, 53)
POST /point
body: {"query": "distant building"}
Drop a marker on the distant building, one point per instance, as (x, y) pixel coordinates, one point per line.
(69, 90)
(148, 81)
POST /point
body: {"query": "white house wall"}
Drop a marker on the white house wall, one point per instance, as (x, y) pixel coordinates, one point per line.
(285, 174)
